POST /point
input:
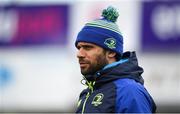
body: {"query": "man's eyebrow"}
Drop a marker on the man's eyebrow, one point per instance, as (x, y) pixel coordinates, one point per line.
(87, 45)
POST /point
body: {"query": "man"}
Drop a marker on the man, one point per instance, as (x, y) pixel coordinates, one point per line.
(113, 78)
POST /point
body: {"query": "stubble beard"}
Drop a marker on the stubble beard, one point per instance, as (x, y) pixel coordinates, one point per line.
(101, 61)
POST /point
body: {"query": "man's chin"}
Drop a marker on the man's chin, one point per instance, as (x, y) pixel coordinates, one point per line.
(85, 71)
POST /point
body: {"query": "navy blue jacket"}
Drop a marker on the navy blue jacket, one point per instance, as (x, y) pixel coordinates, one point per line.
(117, 88)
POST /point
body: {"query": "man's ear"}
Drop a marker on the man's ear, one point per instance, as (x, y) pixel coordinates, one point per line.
(111, 54)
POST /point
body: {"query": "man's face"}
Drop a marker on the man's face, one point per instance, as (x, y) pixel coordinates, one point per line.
(91, 58)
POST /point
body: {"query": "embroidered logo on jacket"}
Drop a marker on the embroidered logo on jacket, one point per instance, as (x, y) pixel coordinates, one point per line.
(97, 100)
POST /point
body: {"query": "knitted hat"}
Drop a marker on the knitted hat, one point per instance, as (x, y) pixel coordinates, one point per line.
(103, 32)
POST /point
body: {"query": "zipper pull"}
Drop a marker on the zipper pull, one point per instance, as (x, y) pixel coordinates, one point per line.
(88, 94)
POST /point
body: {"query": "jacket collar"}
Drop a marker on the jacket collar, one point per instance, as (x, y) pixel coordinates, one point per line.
(127, 67)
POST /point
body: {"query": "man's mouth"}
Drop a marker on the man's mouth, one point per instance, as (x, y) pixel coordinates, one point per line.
(83, 64)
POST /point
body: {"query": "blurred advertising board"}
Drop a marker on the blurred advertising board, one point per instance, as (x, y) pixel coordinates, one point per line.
(160, 26)
(33, 25)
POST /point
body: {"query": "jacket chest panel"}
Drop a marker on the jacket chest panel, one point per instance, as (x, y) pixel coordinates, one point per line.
(101, 100)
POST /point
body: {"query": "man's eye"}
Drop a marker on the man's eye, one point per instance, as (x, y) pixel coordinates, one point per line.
(88, 47)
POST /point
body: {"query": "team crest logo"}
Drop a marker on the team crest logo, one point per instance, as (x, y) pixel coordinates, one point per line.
(97, 100)
(110, 42)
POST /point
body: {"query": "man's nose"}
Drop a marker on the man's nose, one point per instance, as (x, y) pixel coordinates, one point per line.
(80, 53)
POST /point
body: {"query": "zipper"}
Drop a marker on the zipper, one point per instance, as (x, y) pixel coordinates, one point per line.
(90, 86)
(84, 104)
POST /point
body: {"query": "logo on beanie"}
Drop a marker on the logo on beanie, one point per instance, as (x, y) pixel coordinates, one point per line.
(110, 42)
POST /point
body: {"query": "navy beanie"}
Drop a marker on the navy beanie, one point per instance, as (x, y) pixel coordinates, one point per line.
(103, 32)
